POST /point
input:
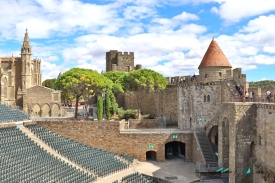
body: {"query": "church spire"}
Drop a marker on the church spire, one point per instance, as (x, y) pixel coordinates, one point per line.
(26, 47)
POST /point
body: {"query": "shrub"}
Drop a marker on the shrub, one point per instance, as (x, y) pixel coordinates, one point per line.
(127, 114)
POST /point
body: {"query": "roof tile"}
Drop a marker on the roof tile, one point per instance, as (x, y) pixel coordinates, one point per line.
(214, 57)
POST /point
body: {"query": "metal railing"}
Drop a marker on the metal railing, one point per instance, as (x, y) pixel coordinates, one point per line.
(207, 167)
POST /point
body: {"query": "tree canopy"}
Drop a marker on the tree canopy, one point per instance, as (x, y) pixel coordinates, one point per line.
(50, 83)
(262, 84)
(139, 83)
(83, 82)
(116, 77)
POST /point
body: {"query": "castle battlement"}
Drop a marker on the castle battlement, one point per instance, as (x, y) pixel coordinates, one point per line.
(125, 54)
(120, 61)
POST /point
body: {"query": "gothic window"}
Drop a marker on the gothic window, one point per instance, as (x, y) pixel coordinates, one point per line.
(208, 98)
(204, 98)
(259, 140)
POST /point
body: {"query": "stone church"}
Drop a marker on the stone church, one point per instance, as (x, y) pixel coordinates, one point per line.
(20, 76)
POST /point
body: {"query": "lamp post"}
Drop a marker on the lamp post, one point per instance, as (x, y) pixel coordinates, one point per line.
(103, 96)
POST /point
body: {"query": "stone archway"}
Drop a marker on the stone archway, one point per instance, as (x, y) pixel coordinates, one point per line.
(151, 155)
(213, 135)
(178, 149)
(36, 111)
(55, 111)
(45, 110)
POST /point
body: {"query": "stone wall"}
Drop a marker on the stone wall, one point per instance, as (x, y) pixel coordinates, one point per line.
(42, 102)
(7, 125)
(106, 135)
(143, 123)
(196, 158)
(264, 142)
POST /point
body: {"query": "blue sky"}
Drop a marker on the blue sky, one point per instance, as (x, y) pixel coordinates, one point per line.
(168, 36)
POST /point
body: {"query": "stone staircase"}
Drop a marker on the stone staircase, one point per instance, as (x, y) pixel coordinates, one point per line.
(233, 92)
(210, 161)
(206, 147)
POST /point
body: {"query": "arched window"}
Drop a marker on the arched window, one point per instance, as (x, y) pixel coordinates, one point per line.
(208, 98)
(204, 98)
(259, 140)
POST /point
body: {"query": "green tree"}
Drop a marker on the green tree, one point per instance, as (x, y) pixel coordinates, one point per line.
(140, 83)
(116, 77)
(99, 111)
(82, 82)
(108, 104)
(50, 83)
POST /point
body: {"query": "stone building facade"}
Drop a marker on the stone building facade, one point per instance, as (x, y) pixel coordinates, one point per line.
(118, 61)
(18, 74)
(47, 106)
(21, 84)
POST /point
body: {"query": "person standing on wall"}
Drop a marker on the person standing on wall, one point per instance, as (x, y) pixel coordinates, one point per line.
(246, 96)
(251, 95)
(268, 96)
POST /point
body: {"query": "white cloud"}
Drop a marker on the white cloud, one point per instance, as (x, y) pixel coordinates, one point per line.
(234, 10)
(269, 49)
(214, 10)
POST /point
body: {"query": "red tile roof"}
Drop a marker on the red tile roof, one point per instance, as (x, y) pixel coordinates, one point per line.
(214, 57)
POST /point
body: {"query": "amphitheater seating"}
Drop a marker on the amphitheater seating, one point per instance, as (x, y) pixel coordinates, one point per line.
(137, 178)
(99, 161)
(11, 115)
(22, 160)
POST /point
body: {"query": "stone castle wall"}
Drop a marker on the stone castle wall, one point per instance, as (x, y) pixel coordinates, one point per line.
(264, 143)
(106, 135)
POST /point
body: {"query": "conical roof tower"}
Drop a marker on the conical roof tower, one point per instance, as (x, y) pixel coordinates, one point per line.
(214, 57)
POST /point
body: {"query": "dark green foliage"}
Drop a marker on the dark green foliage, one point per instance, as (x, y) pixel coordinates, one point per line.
(262, 84)
(114, 105)
(99, 111)
(50, 83)
(127, 114)
(108, 104)
(139, 83)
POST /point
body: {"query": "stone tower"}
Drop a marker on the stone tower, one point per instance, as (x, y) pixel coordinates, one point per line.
(118, 61)
(214, 64)
(26, 56)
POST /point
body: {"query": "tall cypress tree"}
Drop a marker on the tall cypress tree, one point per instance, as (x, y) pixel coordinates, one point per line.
(108, 104)
(99, 111)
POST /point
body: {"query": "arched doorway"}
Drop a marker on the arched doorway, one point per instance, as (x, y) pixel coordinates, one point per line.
(55, 110)
(178, 149)
(35, 111)
(45, 110)
(213, 135)
(151, 155)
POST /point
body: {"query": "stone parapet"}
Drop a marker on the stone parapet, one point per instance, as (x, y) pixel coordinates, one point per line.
(143, 123)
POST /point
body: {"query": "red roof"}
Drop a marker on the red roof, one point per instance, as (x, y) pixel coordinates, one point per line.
(214, 57)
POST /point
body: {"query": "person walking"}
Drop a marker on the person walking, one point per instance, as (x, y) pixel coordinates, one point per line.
(251, 96)
(246, 96)
(268, 96)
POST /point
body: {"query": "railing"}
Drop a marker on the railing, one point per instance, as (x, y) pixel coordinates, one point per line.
(154, 131)
(207, 167)
(255, 99)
